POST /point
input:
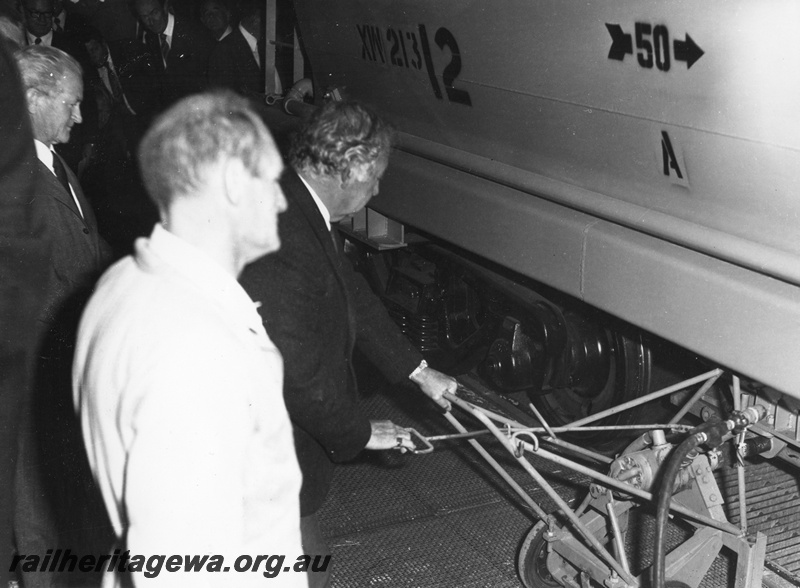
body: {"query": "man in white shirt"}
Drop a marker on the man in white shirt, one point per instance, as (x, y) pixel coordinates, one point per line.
(177, 384)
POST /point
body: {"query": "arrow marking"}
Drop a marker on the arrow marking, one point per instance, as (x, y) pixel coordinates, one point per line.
(687, 51)
(621, 43)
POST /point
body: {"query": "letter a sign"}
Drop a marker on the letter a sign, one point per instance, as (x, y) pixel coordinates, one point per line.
(671, 161)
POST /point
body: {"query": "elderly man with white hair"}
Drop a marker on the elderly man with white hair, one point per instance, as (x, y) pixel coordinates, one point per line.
(53, 482)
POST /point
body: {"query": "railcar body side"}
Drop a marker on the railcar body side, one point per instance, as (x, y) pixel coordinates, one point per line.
(640, 156)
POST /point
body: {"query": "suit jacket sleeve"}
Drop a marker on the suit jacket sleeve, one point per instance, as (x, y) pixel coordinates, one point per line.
(306, 317)
(24, 234)
(378, 337)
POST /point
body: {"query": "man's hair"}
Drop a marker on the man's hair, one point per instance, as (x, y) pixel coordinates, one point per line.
(91, 34)
(197, 132)
(11, 29)
(223, 3)
(341, 139)
(247, 8)
(133, 3)
(44, 68)
(22, 4)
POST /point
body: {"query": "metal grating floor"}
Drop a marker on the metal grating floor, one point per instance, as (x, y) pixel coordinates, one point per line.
(447, 520)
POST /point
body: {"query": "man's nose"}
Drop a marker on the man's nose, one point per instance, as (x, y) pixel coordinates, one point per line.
(280, 201)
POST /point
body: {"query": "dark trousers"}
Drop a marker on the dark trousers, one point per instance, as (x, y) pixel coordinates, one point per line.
(314, 544)
(57, 503)
(13, 392)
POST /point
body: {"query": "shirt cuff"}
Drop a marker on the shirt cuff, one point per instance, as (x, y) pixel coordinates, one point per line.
(422, 365)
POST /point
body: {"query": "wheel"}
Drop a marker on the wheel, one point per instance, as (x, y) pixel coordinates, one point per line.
(607, 367)
(532, 560)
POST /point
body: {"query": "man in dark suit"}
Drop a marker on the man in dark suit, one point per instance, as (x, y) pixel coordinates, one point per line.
(24, 252)
(317, 309)
(53, 485)
(237, 61)
(121, 84)
(38, 18)
(71, 23)
(216, 17)
(181, 48)
(40, 29)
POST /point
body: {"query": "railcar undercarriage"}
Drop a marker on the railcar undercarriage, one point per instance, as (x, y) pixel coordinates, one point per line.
(582, 380)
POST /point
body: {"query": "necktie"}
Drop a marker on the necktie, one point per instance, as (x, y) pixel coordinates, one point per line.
(61, 173)
(38, 41)
(113, 81)
(164, 47)
(335, 240)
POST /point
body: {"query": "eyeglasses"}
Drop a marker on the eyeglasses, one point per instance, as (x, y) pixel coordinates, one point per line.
(39, 15)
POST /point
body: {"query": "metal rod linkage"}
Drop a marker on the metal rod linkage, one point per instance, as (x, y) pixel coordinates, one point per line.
(652, 396)
(562, 505)
(606, 480)
(697, 396)
(498, 468)
(626, 489)
(737, 405)
(541, 420)
(618, 540)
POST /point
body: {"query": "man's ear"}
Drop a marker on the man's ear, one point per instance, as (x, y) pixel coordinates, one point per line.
(32, 97)
(234, 178)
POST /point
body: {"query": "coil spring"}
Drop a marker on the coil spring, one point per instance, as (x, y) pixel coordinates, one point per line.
(423, 331)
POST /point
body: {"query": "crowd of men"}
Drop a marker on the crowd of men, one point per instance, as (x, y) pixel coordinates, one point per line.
(167, 51)
(189, 393)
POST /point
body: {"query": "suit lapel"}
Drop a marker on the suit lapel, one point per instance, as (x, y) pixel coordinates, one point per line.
(180, 48)
(244, 49)
(153, 47)
(245, 62)
(86, 207)
(57, 191)
(305, 203)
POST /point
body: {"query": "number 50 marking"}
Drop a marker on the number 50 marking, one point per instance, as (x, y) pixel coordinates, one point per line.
(658, 47)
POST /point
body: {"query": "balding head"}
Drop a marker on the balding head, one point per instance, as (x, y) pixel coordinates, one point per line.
(212, 168)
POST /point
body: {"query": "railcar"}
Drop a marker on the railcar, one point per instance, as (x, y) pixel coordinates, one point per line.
(588, 177)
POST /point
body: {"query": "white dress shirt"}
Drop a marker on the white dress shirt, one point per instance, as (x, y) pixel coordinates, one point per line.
(46, 39)
(252, 43)
(326, 215)
(228, 31)
(180, 395)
